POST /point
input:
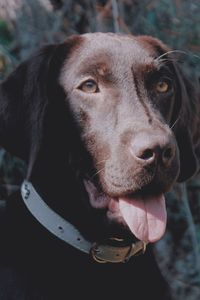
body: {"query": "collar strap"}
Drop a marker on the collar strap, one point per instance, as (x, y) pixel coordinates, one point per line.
(62, 229)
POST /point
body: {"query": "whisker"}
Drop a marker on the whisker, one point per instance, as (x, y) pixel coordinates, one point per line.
(101, 161)
(171, 51)
(169, 59)
(99, 171)
(177, 51)
(175, 122)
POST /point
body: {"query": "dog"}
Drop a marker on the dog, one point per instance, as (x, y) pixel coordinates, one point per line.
(107, 124)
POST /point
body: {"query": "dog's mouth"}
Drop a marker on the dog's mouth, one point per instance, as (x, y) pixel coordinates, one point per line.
(144, 216)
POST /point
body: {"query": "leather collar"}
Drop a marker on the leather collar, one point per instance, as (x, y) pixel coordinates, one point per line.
(112, 250)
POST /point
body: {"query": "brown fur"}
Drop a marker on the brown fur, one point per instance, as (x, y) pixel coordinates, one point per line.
(126, 139)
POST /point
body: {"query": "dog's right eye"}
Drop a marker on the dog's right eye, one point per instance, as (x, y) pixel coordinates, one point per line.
(89, 86)
(162, 86)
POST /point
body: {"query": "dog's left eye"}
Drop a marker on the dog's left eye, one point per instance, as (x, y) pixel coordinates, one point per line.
(89, 86)
(163, 86)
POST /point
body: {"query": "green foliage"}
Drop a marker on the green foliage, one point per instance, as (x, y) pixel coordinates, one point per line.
(5, 34)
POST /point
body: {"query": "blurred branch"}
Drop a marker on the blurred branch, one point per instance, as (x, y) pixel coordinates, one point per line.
(103, 12)
(124, 27)
(115, 12)
(10, 8)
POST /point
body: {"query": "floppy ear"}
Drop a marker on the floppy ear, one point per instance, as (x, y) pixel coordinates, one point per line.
(186, 112)
(21, 95)
(185, 119)
(31, 99)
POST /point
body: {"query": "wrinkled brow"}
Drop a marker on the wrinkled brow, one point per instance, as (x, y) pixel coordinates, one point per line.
(144, 69)
(98, 69)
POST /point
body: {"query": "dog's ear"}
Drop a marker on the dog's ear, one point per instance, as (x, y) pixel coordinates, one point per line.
(185, 118)
(29, 98)
(21, 96)
(186, 112)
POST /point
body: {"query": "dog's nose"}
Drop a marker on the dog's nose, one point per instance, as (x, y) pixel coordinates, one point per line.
(149, 148)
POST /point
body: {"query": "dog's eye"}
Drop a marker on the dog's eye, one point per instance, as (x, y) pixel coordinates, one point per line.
(162, 86)
(89, 86)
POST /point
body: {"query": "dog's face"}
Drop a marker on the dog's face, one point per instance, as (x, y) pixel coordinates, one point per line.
(122, 97)
(126, 99)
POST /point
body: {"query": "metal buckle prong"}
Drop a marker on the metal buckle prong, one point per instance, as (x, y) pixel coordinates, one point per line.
(136, 249)
(94, 252)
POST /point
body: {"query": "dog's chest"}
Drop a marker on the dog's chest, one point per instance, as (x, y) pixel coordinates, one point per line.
(36, 265)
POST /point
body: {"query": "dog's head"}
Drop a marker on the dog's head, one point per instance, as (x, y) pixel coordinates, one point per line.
(113, 113)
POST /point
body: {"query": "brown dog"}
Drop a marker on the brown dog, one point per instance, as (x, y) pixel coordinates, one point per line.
(107, 124)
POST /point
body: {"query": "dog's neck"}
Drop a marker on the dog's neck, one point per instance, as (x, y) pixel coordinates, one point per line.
(104, 251)
(63, 191)
(57, 187)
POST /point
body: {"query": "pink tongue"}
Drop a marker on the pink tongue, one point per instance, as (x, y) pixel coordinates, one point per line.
(145, 218)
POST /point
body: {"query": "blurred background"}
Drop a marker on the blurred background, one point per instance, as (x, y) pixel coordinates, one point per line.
(28, 24)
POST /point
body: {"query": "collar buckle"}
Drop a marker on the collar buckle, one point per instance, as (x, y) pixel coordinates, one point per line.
(108, 253)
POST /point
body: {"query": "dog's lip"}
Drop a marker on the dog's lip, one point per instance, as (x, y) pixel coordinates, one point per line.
(98, 200)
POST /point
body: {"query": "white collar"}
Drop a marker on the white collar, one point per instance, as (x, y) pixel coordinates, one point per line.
(62, 229)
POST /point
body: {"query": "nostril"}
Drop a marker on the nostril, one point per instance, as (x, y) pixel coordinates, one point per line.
(167, 153)
(147, 154)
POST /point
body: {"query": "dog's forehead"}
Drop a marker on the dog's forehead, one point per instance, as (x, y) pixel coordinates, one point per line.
(115, 48)
(106, 52)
